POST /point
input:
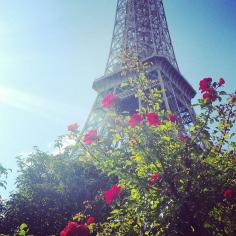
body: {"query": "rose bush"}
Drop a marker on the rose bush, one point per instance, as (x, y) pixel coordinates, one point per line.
(174, 180)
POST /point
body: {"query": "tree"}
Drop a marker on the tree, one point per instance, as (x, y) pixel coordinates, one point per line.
(51, 189)
(3, 175)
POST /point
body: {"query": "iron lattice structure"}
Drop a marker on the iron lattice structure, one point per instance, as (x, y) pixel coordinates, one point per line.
(141, 28)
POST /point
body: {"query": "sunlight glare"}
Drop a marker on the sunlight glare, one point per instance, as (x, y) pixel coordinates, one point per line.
(33, 104)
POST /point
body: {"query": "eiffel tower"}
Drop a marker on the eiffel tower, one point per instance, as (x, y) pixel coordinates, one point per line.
(141, 27)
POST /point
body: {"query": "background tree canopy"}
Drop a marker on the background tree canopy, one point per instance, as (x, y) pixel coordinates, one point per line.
(50, 190)
(3, 175)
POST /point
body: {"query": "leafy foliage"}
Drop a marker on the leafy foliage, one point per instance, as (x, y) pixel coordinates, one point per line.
(164, 178)
(176, 180)
(51, 189)
(3, 175)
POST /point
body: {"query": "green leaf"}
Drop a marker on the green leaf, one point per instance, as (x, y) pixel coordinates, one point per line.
(222, 93)
(135, 194)
(115, 211)
(23, 226)
(128, 163)
(117, 138)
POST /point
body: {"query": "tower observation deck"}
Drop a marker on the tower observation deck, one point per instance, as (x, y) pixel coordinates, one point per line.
(141, 28)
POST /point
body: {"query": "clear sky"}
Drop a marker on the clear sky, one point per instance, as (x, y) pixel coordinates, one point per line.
(52, 50)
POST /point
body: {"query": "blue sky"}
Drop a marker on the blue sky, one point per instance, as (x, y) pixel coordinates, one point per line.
(52, 50)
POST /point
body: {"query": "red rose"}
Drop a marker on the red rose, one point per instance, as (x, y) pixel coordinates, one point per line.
(91, 136)
(90, 220)
(134, 120)
(70, 230)
(72, 127)
(172, 117)
(204, 84)
(210, 96)
(112, 193)
(82, 231)
(221, 81)
(228, 192)
(209, 93)
(109, 100)
(155, 177)
(73, 229)
(62, 233)
(153, 119)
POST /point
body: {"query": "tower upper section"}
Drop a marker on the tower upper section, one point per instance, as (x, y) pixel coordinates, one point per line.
(140, 28)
